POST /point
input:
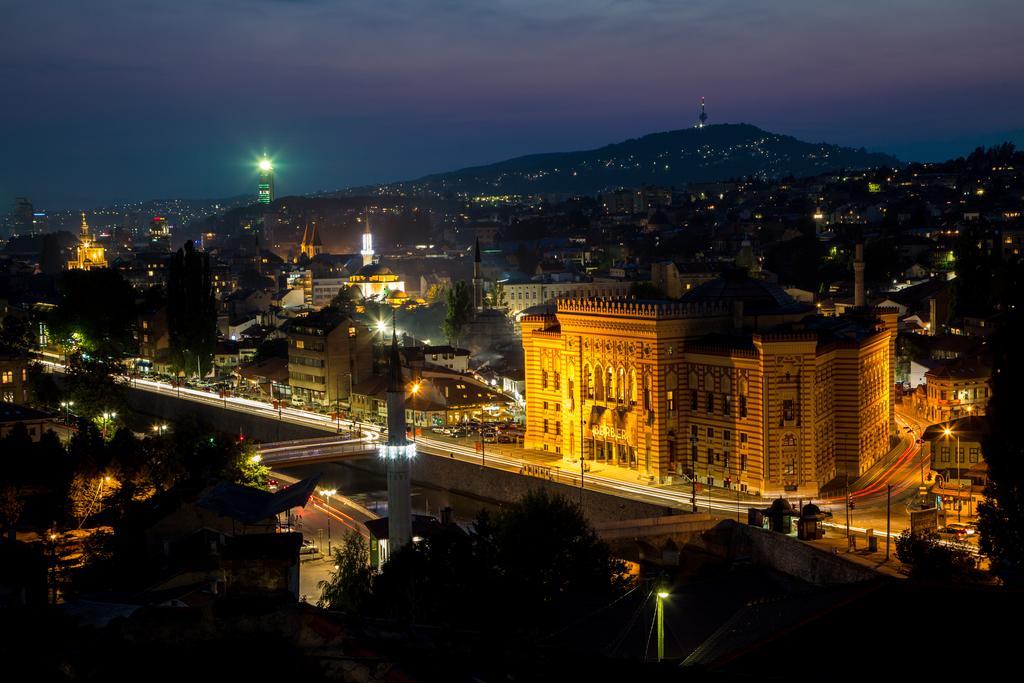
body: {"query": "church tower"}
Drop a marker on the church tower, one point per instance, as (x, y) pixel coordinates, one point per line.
(478, 279)
(397, 452)
(367, 250)
(311, 244)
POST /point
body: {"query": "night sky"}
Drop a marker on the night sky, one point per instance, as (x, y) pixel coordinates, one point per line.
(132, 99)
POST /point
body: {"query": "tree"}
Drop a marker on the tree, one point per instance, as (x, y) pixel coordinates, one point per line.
(972, 288)
(459, 313)
(1001, 516)
(931, 560)
(530, 563)
(95, 386)
(496, 297)
(348, 588)
(95, 313)
(42, 387)
(16, 334)
(191, 312)
(11, 506)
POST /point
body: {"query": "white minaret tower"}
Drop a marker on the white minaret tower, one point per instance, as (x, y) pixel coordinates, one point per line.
(367, 250)
(397, 452)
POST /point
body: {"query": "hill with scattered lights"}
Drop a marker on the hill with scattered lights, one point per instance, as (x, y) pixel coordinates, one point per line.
(673, 158)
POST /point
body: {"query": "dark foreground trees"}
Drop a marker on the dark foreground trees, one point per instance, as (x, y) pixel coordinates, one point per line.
(515, 571)
(1001, 516)
(191, 311)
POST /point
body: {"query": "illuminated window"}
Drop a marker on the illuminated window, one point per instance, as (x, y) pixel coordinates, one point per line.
(7, 377)
(299, 344)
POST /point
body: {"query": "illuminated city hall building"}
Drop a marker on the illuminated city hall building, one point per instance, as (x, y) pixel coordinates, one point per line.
(88, 254)
(735, 384)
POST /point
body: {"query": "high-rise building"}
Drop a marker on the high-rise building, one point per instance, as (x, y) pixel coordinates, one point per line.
(265, 189)
(328, 352)
(23, 216)
(160, 233)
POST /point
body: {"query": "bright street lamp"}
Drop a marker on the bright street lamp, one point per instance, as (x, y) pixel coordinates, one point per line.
(947, 432)
(661, 624)
(327, 493)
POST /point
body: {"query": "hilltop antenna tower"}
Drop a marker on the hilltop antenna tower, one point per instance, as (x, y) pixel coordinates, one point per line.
(703, 117)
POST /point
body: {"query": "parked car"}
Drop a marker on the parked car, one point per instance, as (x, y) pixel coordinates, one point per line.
(953, 532)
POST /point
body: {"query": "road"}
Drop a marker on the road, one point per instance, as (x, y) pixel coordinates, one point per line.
(902, 469)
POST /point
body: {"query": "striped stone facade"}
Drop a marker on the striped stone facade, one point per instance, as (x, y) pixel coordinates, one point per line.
(669, 389)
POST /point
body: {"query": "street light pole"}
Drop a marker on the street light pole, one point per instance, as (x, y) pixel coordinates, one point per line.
(661, 624)
(327, 493)
(959, 486)
(888, 518)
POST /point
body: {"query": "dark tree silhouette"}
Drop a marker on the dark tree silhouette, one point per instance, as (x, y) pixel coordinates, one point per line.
(1001, 516)
(191, 312)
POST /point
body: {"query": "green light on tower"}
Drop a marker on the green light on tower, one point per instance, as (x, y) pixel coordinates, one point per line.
(265, 189)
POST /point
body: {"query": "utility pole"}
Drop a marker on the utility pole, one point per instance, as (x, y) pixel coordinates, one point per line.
(888, 518)
(483, 447)
(847, 510)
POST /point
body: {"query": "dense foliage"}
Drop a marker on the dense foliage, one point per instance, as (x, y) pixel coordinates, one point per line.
(515, 571)
(1001, 516)
(191, 311)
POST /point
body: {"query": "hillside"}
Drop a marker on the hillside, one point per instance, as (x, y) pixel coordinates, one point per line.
(676, 157)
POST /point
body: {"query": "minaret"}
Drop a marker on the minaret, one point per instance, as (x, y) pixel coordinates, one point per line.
(397, 452)
(478, 279)
(703, 118)
(859, 299)
(367, 250)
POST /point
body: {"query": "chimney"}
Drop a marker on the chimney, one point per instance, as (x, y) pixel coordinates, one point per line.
(737, 315)
(859, 300)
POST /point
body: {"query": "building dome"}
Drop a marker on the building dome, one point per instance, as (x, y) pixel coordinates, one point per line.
(758, 296)
(375, 270)
(810, 510)
(780, 506)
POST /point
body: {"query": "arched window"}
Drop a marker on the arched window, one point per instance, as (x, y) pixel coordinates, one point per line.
(632, 386)
(598, 383)
(609, 384)
(588, 381)
(621, 385)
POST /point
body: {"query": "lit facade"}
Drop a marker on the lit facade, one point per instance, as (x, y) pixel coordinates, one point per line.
(88, 254)
(956, 389)
(328, 353)
(768, 399)
(520, 296)
(377, 282)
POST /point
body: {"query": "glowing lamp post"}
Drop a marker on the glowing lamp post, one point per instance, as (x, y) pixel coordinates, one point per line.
(661, 624)
(326, 493)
